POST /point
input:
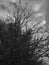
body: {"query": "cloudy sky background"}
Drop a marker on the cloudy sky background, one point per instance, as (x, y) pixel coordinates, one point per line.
(41, 4)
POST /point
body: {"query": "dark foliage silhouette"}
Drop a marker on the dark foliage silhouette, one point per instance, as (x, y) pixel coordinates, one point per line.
(17, 48)
(14, 46)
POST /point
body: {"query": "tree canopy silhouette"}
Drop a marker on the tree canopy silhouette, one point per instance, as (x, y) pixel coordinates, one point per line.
(22, 49)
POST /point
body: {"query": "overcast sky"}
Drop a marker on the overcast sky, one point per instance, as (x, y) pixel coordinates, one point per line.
(33, 3)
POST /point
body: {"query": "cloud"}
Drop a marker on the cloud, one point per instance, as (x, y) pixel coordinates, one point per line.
(5, 6)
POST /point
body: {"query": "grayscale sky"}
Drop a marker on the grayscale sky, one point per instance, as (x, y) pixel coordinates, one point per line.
(33, 3)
